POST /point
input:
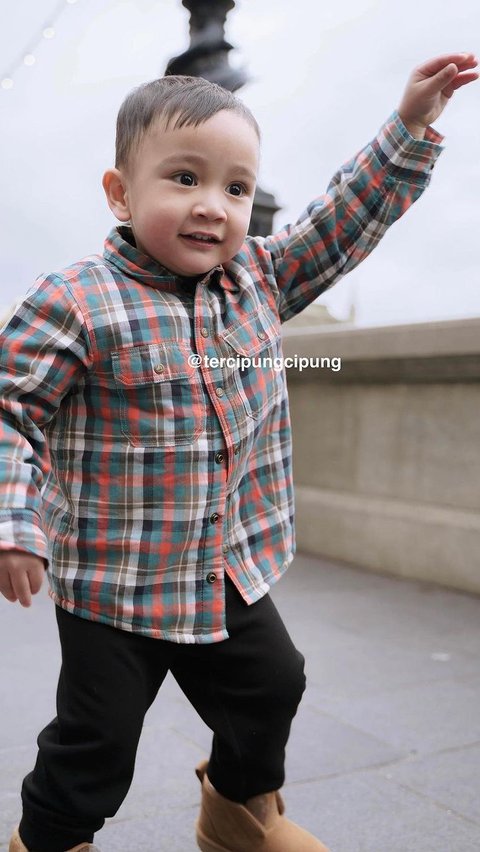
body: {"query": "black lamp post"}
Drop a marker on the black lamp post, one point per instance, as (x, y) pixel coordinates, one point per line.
(207, 56)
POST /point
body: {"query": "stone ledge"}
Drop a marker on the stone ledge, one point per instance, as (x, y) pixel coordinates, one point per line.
(461, 368)
(423, 352)
(405, 539)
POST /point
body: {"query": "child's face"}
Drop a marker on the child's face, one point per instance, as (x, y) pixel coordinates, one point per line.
(193, 181)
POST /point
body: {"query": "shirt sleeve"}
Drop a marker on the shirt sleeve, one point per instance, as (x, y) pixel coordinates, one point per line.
(44, 349)
(339, 229)
(8, 546)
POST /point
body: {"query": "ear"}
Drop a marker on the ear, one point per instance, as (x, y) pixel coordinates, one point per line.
(115, 189)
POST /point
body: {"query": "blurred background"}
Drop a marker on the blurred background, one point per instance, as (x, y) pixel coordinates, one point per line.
(324, 77)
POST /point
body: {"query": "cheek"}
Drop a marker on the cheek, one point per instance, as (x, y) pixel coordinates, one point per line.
(240, 225)
(159, 220)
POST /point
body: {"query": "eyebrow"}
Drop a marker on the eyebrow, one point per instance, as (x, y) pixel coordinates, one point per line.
(198, 159)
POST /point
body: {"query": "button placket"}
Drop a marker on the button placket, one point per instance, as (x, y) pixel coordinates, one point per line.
(206, 319)
(257, 383)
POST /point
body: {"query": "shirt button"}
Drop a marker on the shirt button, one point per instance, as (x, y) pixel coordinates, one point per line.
(204, 332)
(219, 457)
(261, 335)
(211, 577)
(159, 368)
(236, 449)
(219, 391)
(214, 518)
(225, 548)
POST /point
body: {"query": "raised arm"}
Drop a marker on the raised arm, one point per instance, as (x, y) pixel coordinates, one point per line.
(365, 196)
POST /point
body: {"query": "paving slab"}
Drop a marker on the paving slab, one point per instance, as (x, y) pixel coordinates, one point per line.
(384, 754)
(321, 746)
(346, 665)
(421, 718)
(451, 778)
(365, 812)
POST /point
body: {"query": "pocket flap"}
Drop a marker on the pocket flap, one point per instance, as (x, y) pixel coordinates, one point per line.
(157, 362)
(257, 331)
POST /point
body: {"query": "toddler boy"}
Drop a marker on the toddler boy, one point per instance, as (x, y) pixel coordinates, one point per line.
(152, 477)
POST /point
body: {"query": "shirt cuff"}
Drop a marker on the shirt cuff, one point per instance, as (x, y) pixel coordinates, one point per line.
(5, 545)
(18, 532)
(403, 156)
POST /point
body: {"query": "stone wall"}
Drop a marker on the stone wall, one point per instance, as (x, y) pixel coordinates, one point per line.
(387, 449)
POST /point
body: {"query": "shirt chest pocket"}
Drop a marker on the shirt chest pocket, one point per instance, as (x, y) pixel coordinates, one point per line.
(161, 399)
(256, 347)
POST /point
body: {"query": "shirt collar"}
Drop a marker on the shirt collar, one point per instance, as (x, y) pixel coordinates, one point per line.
(120, 251)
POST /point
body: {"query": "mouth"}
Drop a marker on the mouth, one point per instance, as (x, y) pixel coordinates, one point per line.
(200, 239)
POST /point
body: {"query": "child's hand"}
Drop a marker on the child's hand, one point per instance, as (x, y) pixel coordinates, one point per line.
(21, 575)
(429, 88)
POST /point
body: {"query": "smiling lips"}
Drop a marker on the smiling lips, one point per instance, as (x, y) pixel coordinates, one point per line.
(201, 238)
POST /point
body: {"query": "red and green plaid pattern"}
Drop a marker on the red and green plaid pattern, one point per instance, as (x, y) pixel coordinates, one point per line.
(140, 477)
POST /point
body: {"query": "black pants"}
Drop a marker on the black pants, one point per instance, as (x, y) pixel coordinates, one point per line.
(246, 689)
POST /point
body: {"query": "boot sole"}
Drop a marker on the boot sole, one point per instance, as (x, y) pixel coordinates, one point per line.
(207, 845)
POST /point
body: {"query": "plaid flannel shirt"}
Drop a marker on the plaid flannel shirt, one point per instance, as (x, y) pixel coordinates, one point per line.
(140, 478)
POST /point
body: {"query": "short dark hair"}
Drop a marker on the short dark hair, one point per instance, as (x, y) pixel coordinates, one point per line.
(192, 100)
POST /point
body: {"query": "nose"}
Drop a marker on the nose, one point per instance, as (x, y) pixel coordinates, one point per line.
(210, 206)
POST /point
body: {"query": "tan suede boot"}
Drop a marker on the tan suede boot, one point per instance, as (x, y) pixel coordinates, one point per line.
(259, 826)
(16, 845)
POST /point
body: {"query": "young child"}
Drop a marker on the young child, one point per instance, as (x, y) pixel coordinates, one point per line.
(153, 481)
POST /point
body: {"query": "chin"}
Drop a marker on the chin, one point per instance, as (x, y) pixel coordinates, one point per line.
(191, 273)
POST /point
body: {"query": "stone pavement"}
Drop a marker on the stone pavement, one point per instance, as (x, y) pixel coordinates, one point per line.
(385, 750)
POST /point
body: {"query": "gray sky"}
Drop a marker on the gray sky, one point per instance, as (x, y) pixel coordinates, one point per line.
(325, 77)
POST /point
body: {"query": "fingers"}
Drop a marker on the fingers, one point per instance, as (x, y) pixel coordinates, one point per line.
(20, 577)
(463, 61)
(35, 578)
(21, 587)
(7, 590)
(27, 583)
(447, 80)
(458, 81)
(462, 79)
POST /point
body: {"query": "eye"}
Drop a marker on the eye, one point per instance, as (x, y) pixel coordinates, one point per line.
(237, 189)
(185, 179)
